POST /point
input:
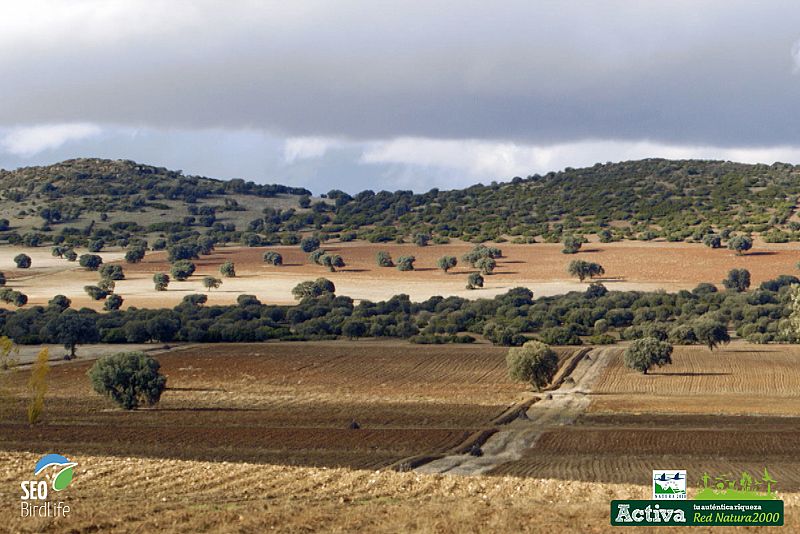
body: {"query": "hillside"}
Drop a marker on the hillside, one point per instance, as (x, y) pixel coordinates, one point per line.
(80, 200)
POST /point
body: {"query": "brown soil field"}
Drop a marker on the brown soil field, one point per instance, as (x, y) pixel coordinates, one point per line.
(738, 379)
(144, 495)
(280, 402)
(540, 266)
(723, 412)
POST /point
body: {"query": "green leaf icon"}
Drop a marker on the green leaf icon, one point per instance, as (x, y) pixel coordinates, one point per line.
(63, 479)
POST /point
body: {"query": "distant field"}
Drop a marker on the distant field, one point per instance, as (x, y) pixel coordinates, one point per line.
(540, 267)
(287, 403)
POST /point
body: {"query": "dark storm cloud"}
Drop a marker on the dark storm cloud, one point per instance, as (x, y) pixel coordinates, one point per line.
(710, 73)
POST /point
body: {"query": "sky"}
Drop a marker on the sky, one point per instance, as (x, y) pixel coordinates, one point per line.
(374, 94)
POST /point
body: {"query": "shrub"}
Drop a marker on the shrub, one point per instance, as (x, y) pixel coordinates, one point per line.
(644, 353)
(161, 281)
(91, 262)
(313, 289)
(181, 270)
(95, 245)
(23, 261)
(182, 251)
(247, 300)
(71, 255)
(228, 269)
(316, 256)
(534, 362)
(406, 263)
(130, 379)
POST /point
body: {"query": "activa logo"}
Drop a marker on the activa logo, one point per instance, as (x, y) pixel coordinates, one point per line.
(649, 514)
(59, 471)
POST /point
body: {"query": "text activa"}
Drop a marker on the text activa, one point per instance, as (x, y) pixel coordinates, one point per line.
(651, 514)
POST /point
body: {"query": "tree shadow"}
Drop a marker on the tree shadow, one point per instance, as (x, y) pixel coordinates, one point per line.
(352, 270)
(194, 389)
(761, 253)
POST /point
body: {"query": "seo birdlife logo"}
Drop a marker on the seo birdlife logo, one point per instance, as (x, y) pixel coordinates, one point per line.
(58, 472)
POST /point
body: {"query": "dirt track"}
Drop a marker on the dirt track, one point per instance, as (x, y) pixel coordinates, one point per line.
(559, 407)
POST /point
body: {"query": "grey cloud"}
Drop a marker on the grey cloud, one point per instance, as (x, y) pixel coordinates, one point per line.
(715, 73)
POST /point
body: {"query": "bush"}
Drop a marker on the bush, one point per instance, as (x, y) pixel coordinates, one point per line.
(96, 245)
(534, 362)
(422, 239)
(644, 353)
(92, 262)
(486, 265)
(181, 270)
(209, 282)
(23, 261)
(130, 379)
(59, 303)
(332, 262)
(314, 289)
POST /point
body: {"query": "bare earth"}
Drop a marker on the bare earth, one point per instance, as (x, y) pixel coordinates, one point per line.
(541, 267)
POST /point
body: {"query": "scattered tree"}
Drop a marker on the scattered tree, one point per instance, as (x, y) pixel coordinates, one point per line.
(273, 258)
(446, 263)
(309, 244)
(72, 328)
(313, 289)
(644, 353)
(474, 281)
(181, 270)
(740, 244)
(384, 259)
(711, 333)
(91, 262)
(135, 255)
(422, 240)
(161, 281)
(23, 261)
(332, 262)
(209, 282)
(712, 240)
(112, 272)
(113, 302)
(406, 263)
(572, 244)
(130, 379)
(534, 362)
(71, 255)
(59, 302)
(486, 265)
(96, 292)
(738, 280)
(228, 269)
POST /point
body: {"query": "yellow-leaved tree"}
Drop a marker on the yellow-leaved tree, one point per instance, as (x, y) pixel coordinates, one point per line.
(37, 384)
